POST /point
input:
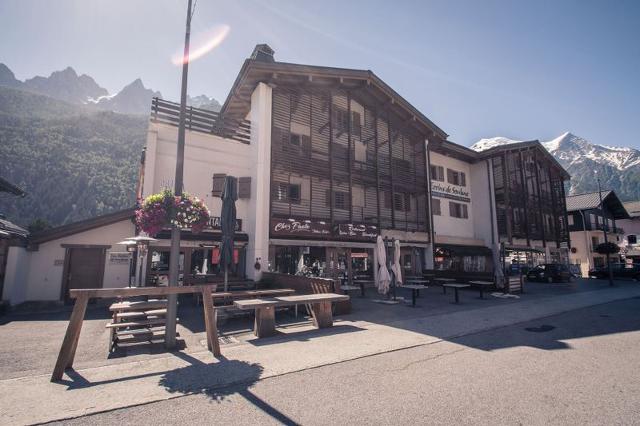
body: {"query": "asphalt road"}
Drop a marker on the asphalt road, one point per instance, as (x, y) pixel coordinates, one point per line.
(582, 367)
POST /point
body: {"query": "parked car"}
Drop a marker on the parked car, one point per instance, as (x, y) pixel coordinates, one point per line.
(619, 270)
(550, 272)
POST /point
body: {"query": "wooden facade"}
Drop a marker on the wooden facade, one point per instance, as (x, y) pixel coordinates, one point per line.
(529, 195)
(340, 159)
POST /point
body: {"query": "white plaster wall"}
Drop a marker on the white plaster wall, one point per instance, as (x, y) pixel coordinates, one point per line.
(42, 278)
(445, 225)
(482, 203)
(206, 155)
(15, 288)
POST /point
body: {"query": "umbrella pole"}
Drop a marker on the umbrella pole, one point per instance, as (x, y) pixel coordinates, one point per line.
(226, 279)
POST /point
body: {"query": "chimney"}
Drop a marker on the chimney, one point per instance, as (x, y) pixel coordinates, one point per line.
(262, 52)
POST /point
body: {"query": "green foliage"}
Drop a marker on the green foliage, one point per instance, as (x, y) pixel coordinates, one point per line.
(607, 248)
(72, 162)
(38, 225)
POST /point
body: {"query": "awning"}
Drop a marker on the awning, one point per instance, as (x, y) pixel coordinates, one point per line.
(524, 249)
(462, 250)
(187, 235)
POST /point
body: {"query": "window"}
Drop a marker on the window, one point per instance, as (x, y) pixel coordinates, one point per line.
(458, 210)
(435, 207)
(570, 218)
(456, 178)
(287, 193)
(401, 202)
(295, 139)
(632, 239)
(593, 220)
(341, 121)
(594, 242)
(437, 173)
(218, 184)
(340, 200)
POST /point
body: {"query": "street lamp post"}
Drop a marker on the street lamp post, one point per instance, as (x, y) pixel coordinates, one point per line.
(172, 299)
(604, 228)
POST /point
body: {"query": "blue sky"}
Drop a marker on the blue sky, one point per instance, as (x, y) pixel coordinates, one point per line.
(521, 69)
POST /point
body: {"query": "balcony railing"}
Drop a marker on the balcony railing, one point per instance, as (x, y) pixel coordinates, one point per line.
(200, 120)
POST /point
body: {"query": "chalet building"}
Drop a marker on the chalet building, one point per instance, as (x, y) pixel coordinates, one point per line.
(528, 192)
(630, 233)
(327, 159)
(589, 219)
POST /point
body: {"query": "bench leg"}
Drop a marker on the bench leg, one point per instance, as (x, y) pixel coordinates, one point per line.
(71, 337)
(481, 292)
(265, 323)
(456, 295)
(322, 316)
(413, 297)
(444, 290)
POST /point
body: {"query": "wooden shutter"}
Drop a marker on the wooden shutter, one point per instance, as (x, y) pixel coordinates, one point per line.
(452, 209)
(463, 179)
(387, 199)
(435, 207)
(244, 187)
(465, 212)
(218, 184)
(450, 176)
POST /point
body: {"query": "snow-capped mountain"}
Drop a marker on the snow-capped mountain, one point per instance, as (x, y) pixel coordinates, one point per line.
(619, 167)
(68, 86)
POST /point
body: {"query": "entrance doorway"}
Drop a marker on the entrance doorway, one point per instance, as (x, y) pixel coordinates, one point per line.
(84, 268)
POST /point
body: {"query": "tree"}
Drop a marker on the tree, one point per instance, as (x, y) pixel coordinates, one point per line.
(607, 248)
(38, 225)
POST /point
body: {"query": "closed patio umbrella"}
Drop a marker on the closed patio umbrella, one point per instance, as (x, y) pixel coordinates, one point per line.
(383, 278)
(228, 225)
(397, 270)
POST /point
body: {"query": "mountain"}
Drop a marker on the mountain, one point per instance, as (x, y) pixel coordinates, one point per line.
(132, 99)
(618, 167)
(204, 102)
(65, 85)
(7, 78)
(73, 161)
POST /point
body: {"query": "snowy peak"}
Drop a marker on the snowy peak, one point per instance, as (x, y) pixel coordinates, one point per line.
(134, 98)
(488, 143)
(66, 85)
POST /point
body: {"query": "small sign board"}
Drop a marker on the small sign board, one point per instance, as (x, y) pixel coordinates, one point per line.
(58, 262)
(356, 231)
(119, 257)
(214, 223)
(302, 228)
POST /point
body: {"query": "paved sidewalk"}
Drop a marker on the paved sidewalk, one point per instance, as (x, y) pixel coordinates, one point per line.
(33, 398)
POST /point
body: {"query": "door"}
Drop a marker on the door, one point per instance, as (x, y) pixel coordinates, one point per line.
(85, 268)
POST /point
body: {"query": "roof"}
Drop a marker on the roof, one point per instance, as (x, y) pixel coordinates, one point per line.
(9, 229)
(591, 200)
(523, 145)
(633, 208)
(81, 226)
(259, 69)
(6, 186)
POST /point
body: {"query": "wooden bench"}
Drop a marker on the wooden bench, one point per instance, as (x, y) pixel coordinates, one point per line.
(415, 291)
(137, 321)
(481, 285)
(265, 322)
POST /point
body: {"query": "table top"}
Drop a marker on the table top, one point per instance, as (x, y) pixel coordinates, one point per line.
(446, 279)
(481, 282)
(414, 286)
(417, 280)
(457, 285)
(349, 287)
(362, 281)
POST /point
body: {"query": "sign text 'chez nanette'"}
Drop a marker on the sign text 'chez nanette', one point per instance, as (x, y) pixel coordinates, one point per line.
(305, 228)
(452, 192)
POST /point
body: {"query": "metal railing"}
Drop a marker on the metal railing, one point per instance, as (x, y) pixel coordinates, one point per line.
(201, 120)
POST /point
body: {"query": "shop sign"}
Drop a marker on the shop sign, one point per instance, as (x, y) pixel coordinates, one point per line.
(452, 192)
(214, 223)
(302, 228)
(350, 230)
(121, 258)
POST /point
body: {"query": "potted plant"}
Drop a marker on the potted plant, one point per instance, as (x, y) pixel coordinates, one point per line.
(163, 209)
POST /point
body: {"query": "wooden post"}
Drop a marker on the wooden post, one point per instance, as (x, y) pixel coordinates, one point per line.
(322, 316)
(265, 322)
(70, 342)
(213, 344)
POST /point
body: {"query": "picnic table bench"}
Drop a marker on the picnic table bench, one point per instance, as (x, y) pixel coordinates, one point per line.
(481, 285)
(455, 287)
(265, 319)
(136, 321)
(415, 290)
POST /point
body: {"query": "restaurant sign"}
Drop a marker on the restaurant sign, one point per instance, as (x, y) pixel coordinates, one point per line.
(354, 231)
(452, 192)
(214, 223)
(299, 228)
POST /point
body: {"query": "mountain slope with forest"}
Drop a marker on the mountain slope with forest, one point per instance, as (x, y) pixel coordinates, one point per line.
(74, 162)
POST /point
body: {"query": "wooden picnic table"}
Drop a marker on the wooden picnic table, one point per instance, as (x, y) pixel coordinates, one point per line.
(481, 285)
(455, 287)
(415, 291)
(361, 282)
(265, 320)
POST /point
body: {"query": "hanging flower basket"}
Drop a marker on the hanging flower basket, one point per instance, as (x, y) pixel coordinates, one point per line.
(164, 209)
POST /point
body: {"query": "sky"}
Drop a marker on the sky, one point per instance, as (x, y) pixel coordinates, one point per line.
(515, 68)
